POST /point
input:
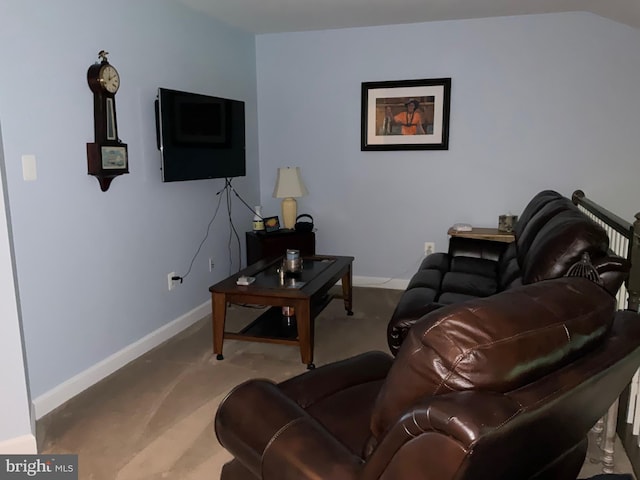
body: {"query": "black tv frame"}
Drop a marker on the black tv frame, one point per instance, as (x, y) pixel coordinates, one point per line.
(200, 155)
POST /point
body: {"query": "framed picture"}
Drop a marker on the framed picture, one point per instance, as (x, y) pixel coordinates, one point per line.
(406, 114)
(271, 224)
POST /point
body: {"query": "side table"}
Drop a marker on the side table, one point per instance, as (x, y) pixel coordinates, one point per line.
(482, 233)
(274, 244)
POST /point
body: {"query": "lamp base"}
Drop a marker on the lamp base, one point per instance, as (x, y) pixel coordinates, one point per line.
(289, 212)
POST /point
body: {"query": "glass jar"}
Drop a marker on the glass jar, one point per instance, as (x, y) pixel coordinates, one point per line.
(258, 223)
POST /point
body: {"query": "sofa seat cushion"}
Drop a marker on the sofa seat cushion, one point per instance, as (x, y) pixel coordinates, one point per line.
(468, 276)
(347, 413)
(449, 298)
(470, 284)
(495, 344)
(423, 288)
(340, 395)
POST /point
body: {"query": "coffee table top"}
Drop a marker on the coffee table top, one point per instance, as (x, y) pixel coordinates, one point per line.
(317, 272)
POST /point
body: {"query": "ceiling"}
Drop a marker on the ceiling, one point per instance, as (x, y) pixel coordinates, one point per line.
(273, 16)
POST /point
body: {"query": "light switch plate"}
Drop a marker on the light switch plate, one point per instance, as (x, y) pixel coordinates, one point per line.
(29, 170)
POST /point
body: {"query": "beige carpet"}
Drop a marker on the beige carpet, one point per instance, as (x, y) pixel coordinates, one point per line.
(153, 419)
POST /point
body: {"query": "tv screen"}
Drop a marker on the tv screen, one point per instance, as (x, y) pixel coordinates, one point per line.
(199, 136)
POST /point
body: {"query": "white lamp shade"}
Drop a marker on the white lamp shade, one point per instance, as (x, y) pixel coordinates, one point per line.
(289, 183)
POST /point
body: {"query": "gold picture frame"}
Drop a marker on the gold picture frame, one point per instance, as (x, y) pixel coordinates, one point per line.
(271, 224)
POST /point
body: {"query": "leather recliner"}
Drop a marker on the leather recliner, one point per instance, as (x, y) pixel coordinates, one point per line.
(504, 387)
(551, 236)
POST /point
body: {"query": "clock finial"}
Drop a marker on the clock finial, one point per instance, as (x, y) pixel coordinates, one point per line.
(103, 55)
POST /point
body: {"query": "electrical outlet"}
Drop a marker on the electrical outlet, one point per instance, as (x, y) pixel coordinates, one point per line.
(171, 283)
(429, 248)
(211, 264)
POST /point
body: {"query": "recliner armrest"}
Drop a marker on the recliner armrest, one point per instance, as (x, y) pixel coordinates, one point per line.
(274, 437)
(457, 418)
(304, 449)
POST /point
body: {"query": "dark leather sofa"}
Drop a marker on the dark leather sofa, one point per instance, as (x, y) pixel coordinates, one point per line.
(505, 387)
(551, 236)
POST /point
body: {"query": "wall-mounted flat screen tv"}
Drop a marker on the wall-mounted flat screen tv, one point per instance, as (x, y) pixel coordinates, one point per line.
(199, 136)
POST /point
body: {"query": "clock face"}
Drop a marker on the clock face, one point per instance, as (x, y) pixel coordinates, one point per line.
(109, 79)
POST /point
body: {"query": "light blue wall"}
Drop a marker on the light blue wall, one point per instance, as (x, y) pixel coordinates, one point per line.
(543, 101)
(92, 267)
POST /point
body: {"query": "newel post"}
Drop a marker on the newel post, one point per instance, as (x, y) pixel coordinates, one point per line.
(633, 286)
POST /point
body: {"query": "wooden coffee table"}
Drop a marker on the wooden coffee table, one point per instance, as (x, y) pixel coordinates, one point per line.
(307, 292)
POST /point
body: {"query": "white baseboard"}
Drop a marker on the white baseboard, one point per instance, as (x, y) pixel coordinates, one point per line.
(55, 397)
(380, 282)
(22, 445)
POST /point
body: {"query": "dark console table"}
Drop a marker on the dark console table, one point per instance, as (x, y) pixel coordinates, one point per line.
(275, 244)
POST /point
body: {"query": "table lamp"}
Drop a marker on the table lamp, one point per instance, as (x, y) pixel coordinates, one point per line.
(289, 186)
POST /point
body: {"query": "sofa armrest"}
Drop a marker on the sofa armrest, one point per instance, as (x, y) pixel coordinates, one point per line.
(613, 272)
(314, 385)
(397, 329)
(274, 438)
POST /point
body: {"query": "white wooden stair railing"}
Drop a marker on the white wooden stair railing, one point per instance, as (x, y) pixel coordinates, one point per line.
(624, 240)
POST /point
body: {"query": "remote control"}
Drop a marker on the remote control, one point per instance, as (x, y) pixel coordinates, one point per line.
(242, 280)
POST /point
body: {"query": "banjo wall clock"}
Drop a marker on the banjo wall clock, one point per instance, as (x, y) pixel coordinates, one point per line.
(107, 155)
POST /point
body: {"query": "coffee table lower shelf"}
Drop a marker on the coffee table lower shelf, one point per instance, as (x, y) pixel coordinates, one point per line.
(272, 327)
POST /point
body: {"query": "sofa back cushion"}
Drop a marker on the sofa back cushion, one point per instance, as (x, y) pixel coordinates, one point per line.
(497, 343)
(508, 267)
(532, 229)
(535, 204)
